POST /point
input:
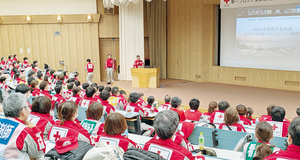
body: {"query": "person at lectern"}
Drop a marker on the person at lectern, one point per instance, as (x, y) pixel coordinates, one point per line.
(138, 63)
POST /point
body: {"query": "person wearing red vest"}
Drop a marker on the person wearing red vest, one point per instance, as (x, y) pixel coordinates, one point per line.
(92, 124)
(166, 105)
(3, 62)
(58, 96)
(67, 126)
(269, 110)
(218, 116)
(293, 150)
(25, 63)
(231, 119)
(115, 125)
(280, 126)
(138, 63)
(149, 106)
(40, 115)
(211, 108)
(20, 138)
(242, 110)
(90, 69)
(176, 103)
(193, 114)
(109, 68)
(76, 95)
(116, 99)
(15, 58)
(9, 60)
(86, 101)
(68, 94)
(166, 124)
(35, 91)
(104, 96)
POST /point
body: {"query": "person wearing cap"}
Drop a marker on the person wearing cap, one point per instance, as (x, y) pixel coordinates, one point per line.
(293, 150)
(40, 114)
(92, 124)
(67, 125)
(115, 125)
(20, 139)
(165, 124)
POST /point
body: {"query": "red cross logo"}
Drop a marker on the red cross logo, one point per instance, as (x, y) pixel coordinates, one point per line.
(226, 1)
(107, 143)
(84, 103)
(274, 127)
(158, 152)
(220, 116)
(56, 136)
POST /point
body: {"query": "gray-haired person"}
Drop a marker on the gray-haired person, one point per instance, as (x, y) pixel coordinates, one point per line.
(165, 125)
(19, 138)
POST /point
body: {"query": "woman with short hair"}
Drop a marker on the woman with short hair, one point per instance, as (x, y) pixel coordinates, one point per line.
(115, 125)
(231, 119)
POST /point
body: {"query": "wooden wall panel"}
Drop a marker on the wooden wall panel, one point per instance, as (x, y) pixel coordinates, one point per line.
(76, 43)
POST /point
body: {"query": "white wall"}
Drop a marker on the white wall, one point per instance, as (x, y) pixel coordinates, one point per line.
(47, 7)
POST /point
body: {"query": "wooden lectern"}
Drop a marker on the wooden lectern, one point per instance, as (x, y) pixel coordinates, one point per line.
(145, 77)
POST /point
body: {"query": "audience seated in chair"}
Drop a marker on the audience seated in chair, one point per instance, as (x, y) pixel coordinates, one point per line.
(104, 96)
(76, 95)
(67, 125)
(150, 101)
(269, 110)
(68, 94)
(116, 99)
(115, 125)
(280, 126)
(141, 99)
(218, 116)
(89, 98)
(193, 114)
(298, 111)
(58, 96)
(165, 124)
(40, 115)
(44, 87)
(84, 87)
(249, 115)
(23, 139)
(35, 91)
(167, 104)
(293, 150)
(231, 119)
(176, 104)
(211, 108)
(242, 110)
(92, 124)
(262, 148)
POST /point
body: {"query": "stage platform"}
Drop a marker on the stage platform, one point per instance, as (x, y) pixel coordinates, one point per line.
(257, 98)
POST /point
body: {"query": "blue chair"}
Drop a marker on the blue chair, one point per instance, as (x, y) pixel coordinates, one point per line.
(104, 116)
(280, 142)
(229, 139)
(81, 114)
(207, 133)
(30, 99)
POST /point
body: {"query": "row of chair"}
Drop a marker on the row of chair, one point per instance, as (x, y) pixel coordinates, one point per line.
(225, 139)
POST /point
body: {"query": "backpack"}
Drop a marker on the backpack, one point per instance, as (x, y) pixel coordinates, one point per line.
(104, 151)
(139, 154)
(75, 154)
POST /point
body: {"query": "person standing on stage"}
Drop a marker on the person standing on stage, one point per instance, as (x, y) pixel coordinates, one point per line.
(138, 62)
(109, 68)
(90, 69)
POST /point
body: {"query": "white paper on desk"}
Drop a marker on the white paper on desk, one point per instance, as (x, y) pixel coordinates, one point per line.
(127, 114)
(150, 114)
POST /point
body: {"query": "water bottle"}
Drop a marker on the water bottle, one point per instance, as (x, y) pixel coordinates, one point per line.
(201, 141)
(256, 121)
(201, 119)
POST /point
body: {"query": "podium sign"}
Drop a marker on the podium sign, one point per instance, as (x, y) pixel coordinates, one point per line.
(145, 77)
